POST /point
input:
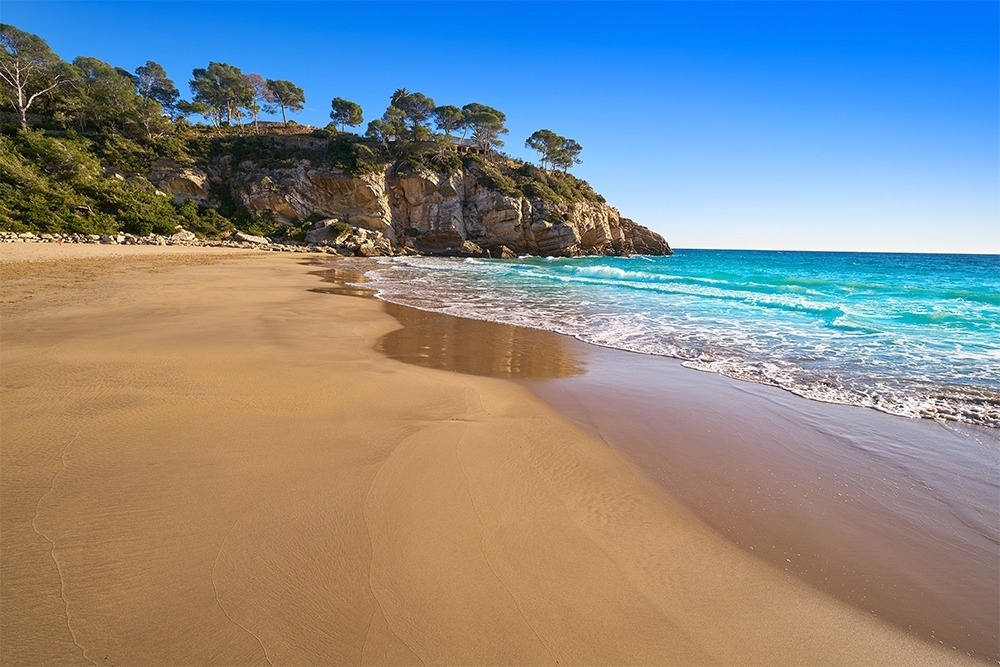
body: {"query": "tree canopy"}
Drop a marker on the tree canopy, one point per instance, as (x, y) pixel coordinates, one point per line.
(486, 123)
(224, 90)
(345, 112)
(262, 99)
(102, 122)
(449, 118)
(287, 96)
(410, 113)
(28, 69)
(555, 149)
(152, 82)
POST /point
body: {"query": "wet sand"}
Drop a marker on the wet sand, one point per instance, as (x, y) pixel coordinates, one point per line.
(204, 460)
(892, 515)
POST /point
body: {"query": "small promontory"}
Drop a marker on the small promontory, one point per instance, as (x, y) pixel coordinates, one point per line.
(437, 201)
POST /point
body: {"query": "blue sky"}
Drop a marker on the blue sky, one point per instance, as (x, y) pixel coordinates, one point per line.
(788, 125)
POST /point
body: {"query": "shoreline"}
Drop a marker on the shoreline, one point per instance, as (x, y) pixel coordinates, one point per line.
(892, 515)
(218, 442)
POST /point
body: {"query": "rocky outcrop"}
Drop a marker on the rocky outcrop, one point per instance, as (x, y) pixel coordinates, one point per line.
(420, 211)
(183, 183)
(302, 191)
(435, 214)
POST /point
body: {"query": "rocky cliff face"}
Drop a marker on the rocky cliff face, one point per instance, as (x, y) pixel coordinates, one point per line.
(418, 211)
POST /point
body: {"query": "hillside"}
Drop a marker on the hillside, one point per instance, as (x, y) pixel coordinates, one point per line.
(89, 148)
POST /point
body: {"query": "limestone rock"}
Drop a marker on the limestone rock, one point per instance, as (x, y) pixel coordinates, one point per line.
(644, 241)
(243, 237)
(330, 231)
(182, 183)
(502, 252)
(418, 211)
(301, 191)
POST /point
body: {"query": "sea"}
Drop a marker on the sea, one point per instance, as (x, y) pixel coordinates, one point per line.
(916, 335)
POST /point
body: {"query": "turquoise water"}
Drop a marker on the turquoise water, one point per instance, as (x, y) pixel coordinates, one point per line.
(912, 335)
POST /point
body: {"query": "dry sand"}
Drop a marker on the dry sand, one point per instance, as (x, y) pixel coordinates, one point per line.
(205, 462)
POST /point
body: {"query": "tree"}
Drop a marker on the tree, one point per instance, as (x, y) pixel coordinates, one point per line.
(195, 108)
(223, 89)
(378, 130)
(567, 155)
(287, 96)
(414, 110)
(345, 112)
(152, 82)
(100, 98)
(28, 68)
(262, 99)
(545, 142)
(448, 118)
(486, 123)
(557, 150)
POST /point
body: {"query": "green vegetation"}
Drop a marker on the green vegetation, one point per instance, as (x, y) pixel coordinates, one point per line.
(79, 141)
(58, 185)
(520, 179)
(287, 96)
(557, 150)
(346, 113)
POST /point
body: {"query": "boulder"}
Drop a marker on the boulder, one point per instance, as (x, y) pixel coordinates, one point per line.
(330, 230)
(243, 237)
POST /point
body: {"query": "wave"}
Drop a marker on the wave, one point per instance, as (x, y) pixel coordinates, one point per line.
(856, 340)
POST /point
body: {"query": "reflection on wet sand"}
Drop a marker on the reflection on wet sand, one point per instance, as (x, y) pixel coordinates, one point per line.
(469, 346)
(474, 347)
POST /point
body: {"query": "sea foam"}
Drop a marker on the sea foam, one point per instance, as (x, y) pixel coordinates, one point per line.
(913, 335)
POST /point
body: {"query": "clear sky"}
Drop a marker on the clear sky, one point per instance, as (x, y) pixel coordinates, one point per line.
(787, 125)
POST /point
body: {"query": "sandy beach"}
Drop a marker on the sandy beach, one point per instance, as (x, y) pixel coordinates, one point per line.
(206, 457)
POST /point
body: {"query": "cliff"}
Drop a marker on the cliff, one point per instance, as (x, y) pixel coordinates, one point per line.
(491, 208)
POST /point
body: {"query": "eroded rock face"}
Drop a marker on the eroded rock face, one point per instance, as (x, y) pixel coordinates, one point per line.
(435, 214)
(426, 212)
(304, 191)
(182, 183)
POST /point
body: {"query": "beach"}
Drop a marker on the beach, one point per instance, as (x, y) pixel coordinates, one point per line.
(215, 457)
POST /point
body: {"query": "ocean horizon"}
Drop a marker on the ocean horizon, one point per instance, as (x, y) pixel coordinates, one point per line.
(910, 334)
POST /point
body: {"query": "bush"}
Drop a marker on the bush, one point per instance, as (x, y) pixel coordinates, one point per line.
(205, 222)
(355, 155)
(57, 185)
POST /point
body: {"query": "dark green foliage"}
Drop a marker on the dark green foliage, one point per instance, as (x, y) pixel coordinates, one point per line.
(486, 123)
(449, 118)
(338, 228)
(526, 180)
(243, 219)
(101, 99)
(355, 155)
(298, 232)
(205, 222)
(286, 95)
(105, 130)
(259, 149)
(151, 81)
(490, 176)
(260, 226)
(408, 115)
(29, 70)
(58, 185)
(224, 90)
(557, 150)
(429, 156)
(345, 112)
